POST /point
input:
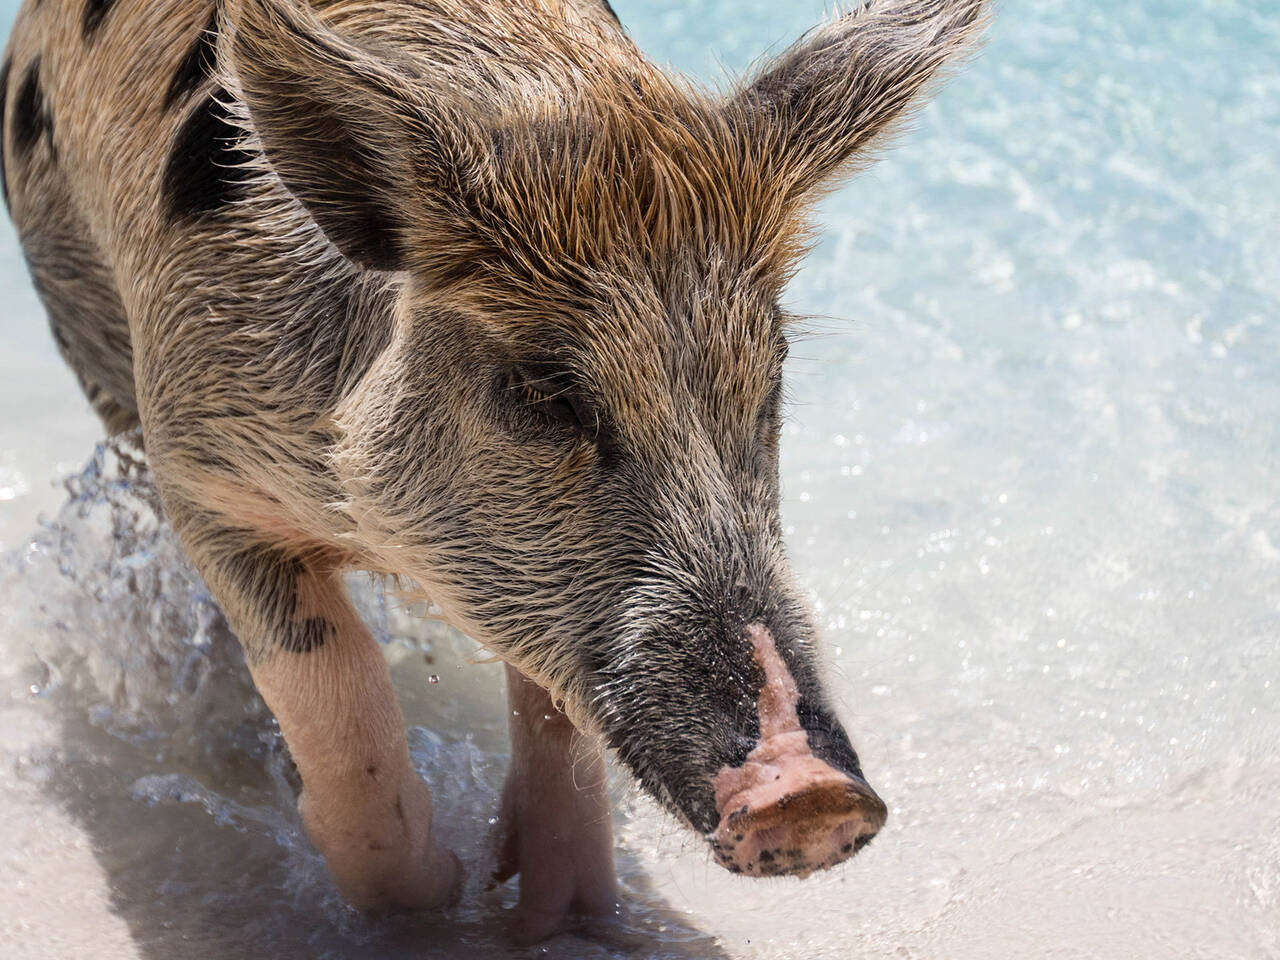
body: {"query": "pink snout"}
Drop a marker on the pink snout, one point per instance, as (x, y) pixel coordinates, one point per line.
(784, 811)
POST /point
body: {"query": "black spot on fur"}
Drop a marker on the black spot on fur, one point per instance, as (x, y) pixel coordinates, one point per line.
(268, 578)
(307, 635)
(4, 99)
(95, 11)
(197, 66)
(30, 115)
(205, 171)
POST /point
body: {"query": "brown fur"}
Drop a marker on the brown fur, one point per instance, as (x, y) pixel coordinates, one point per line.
(467, 292)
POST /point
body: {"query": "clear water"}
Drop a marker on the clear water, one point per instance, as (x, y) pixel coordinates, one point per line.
(1031, 473)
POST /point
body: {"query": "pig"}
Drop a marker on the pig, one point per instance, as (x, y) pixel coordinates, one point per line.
(473, 295)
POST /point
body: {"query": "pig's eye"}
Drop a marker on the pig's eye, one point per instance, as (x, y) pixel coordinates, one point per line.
(552, 395)
(772, 407)
(768, 417)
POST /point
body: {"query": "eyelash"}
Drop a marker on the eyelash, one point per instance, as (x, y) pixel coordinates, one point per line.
(772, 403)
(552, 396)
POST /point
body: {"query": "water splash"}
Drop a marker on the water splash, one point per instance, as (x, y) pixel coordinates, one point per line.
(141, 723)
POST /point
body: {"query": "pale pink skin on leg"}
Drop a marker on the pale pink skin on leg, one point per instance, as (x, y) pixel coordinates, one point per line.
(364, 806)
(555, 827)
(785, 811)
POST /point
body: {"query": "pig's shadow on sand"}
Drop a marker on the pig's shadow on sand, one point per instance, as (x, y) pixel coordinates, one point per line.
(205, 865)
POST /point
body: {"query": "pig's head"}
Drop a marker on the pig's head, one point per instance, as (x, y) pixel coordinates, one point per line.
(571, 441)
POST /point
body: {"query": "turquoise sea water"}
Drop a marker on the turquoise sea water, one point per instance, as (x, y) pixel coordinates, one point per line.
(1032, 477)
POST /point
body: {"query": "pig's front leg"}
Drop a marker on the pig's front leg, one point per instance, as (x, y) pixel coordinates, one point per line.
(555, 820)
(325, 679)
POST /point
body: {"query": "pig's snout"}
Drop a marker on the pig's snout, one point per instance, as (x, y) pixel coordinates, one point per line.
(791, 813)
(784, 811)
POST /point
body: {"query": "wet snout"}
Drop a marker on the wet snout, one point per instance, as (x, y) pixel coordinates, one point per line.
(784, 810)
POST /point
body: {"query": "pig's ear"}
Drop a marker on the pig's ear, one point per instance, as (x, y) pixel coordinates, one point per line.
(815, 109)
(359, 142)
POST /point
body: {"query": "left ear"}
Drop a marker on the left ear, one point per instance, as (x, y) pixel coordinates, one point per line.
(365, 147)
(814, 109)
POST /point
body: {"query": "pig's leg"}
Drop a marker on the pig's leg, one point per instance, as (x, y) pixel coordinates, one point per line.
(555, 812)
(324, 677)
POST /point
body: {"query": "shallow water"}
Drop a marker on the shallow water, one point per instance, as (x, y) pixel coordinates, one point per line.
(1031, 479)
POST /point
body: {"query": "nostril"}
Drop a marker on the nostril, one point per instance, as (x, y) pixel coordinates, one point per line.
(822, 820)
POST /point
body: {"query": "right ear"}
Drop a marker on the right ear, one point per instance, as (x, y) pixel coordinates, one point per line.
(816, 109)
(357, 141)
